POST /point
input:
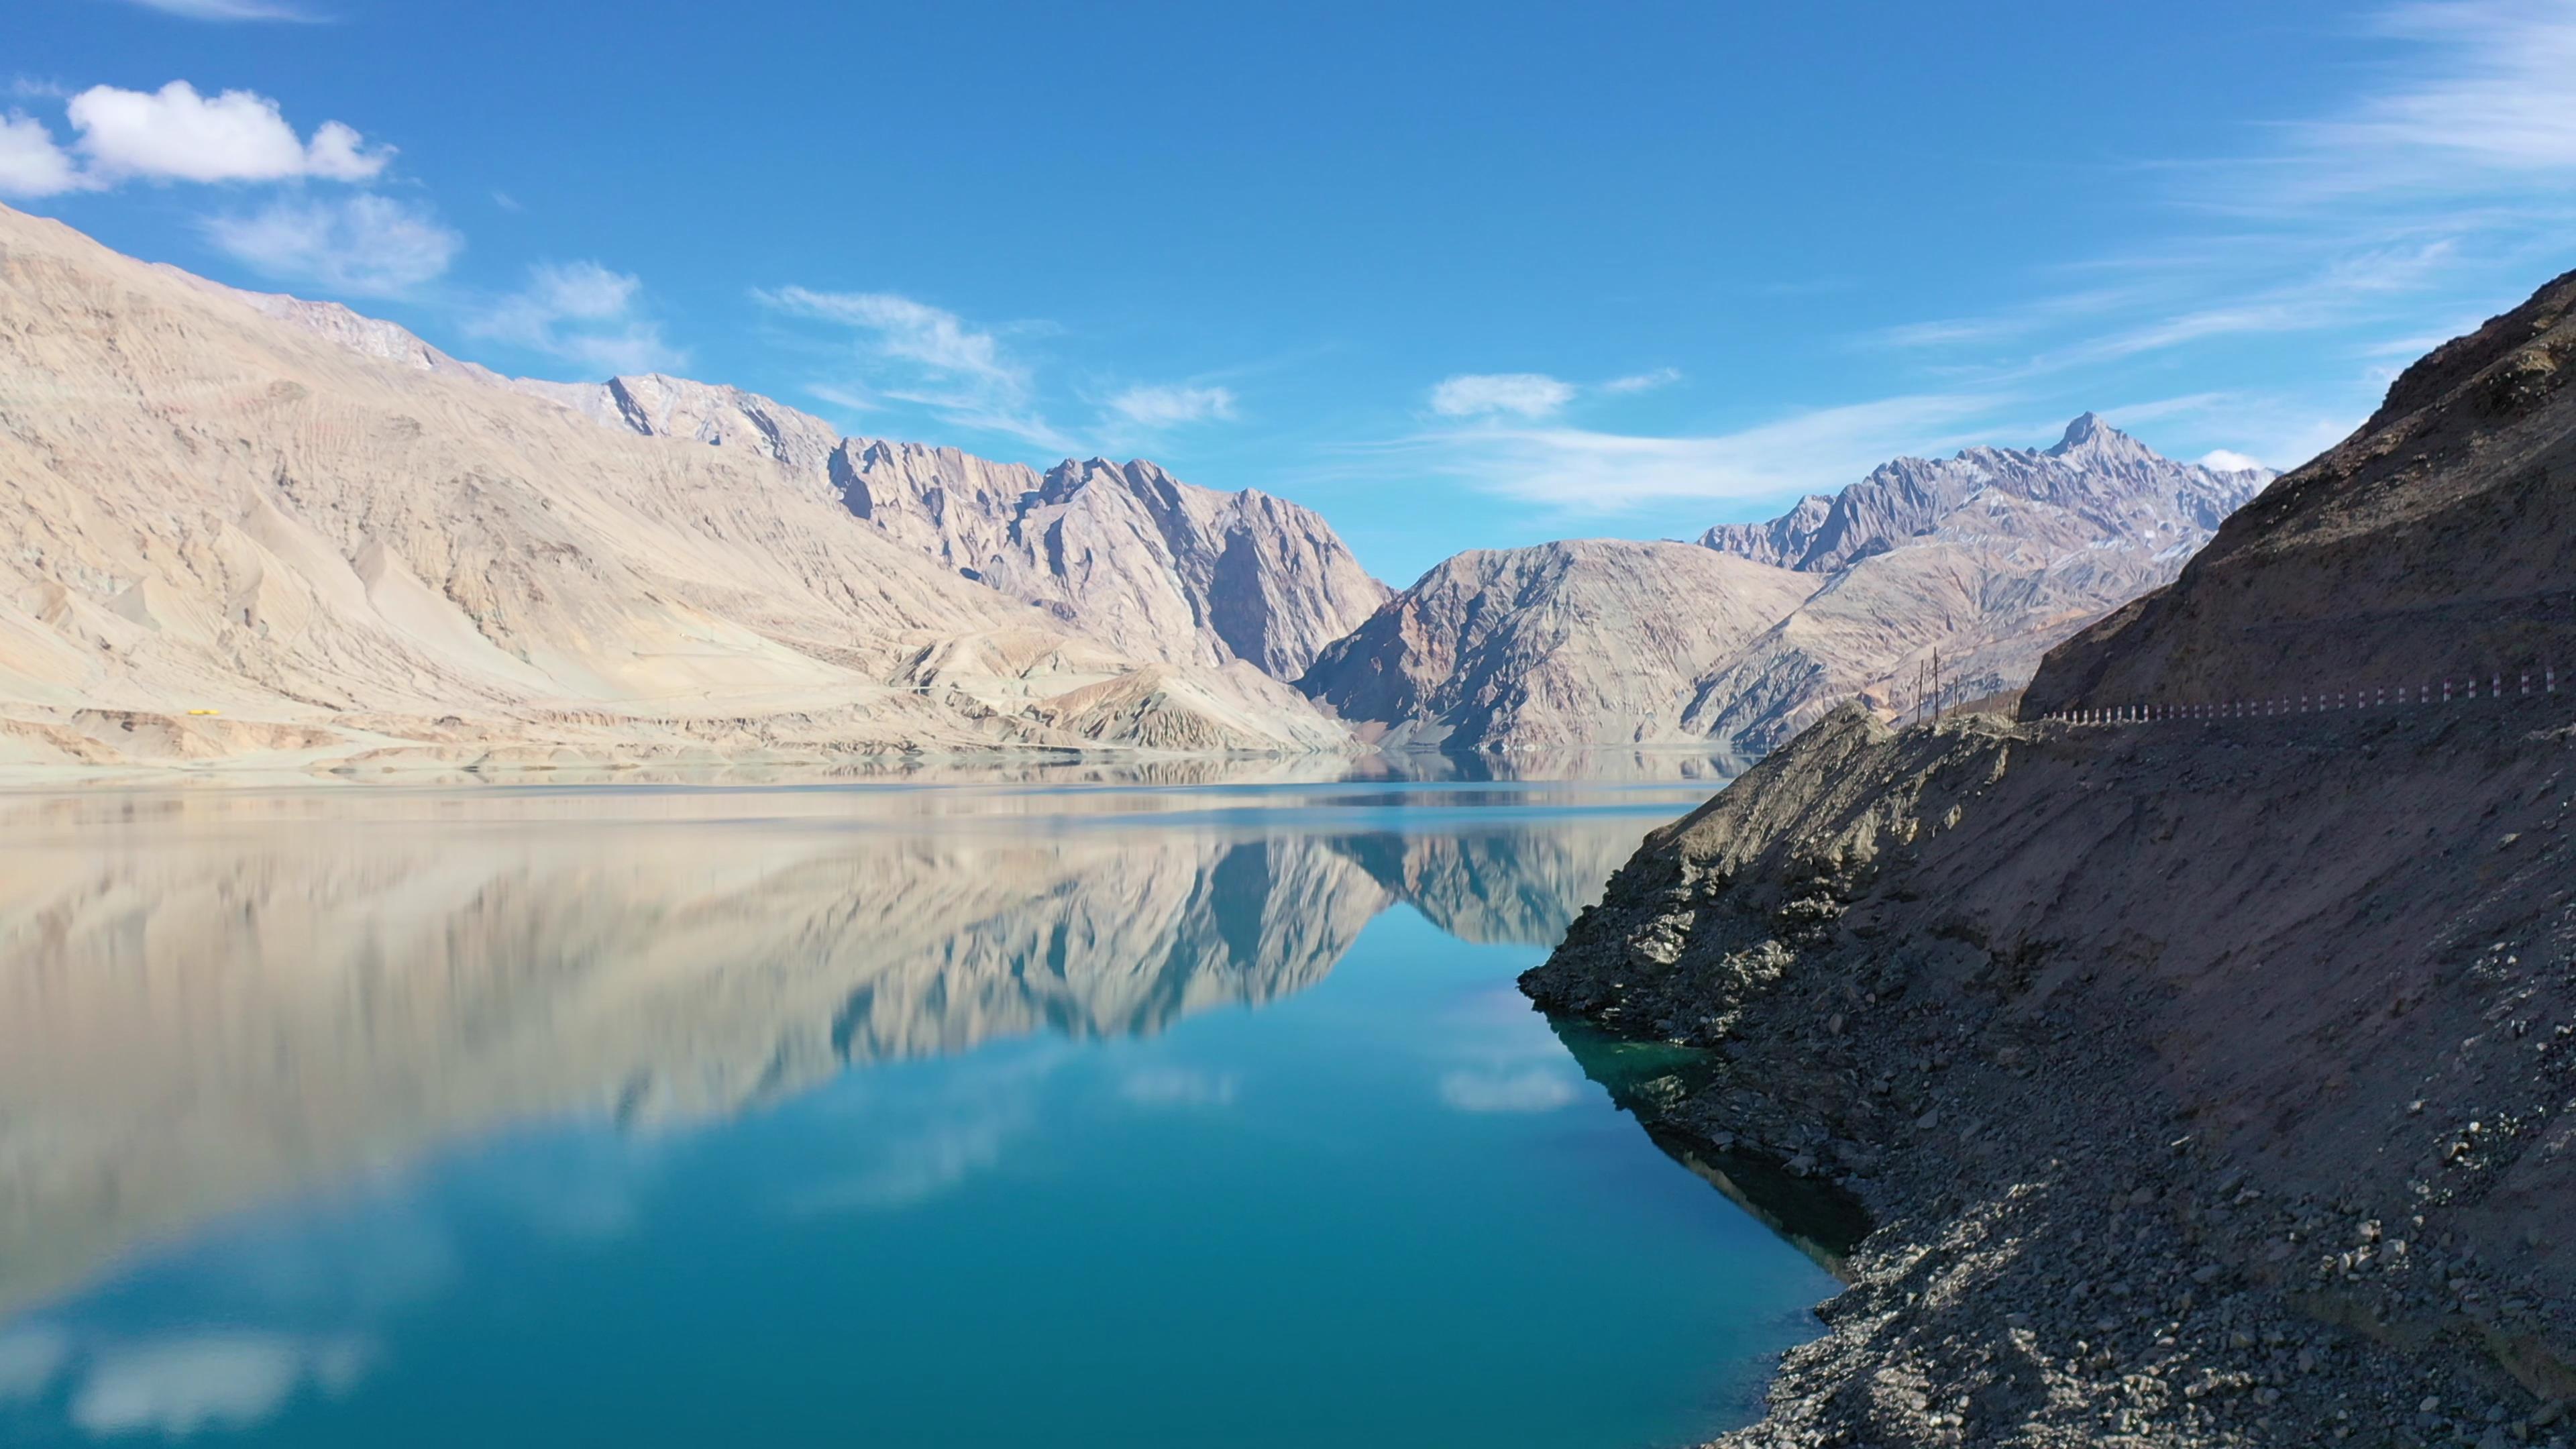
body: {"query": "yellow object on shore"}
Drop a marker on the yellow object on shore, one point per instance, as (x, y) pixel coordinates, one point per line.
(205, 711)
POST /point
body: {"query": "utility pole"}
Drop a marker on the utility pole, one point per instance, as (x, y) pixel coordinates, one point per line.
(1936, 683)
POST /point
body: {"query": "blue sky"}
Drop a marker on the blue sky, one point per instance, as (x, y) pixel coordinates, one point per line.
(1459, 276)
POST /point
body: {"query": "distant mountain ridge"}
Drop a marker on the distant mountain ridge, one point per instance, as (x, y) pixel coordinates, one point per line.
(1153, 566)
(1990, 557)
(2094, 475)
(242, 526)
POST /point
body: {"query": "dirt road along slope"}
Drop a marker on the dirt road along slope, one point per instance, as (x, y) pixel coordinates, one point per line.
(2211, 1081)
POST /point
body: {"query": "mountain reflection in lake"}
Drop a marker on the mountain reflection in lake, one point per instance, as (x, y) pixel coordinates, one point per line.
(882, 1115)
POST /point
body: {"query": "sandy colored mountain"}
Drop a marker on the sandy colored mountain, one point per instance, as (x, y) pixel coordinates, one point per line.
(358, 556)
(1127, 554)
(1589, 642)
(1988, 557)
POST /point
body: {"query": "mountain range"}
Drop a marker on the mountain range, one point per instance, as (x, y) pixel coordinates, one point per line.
(248, 526)
(1989, 557)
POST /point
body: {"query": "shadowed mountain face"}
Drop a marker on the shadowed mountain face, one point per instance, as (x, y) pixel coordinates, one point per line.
(1988, 557)
(217, 1000)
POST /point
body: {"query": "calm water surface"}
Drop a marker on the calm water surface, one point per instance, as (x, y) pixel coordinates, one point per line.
(947, 1115)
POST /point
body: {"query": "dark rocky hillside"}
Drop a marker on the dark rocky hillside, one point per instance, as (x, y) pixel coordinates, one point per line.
(2211, 1081)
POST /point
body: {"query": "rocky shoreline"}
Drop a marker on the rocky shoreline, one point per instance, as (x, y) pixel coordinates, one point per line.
(1995, 982)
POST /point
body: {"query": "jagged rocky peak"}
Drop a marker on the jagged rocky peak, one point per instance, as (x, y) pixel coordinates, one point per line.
(661, 406)
(2096, 485)
(2091, 440)
(1159, 568)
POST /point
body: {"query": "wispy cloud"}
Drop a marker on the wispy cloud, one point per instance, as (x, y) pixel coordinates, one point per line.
(227, 9)
(2483, 100)
(580, 312)
(933, 358)
(2436, 193)
(1179, 1087)
(1163, 407)
(1575, 471)
(1527, 394)
(1535, 1089)
(227, 1378)
(1532, 394)
(362, 245)
(1643, 381)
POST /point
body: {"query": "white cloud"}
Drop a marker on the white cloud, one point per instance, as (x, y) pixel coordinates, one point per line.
(1644, 381)
(225, 9)
(1577, 471)
(1535, 1089)
(366, 244)
(1529, 394)
(30, 163)
(934, 358)
(580, 312)
(913, 331)
(2484, 99)
(1163, 407)
(30, 1357)
(1178, 1087)
(175, 134)
(227, 1379)
(2226, 461)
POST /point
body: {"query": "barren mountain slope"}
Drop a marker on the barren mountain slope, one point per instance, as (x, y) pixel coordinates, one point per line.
(206, 508)
(1156, 568)
(1989, 557)
(2439, 542)
(2210, 1078)
(1594, 641)
(1133, 556)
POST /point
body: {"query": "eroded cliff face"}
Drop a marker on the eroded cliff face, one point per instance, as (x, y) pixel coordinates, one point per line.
(1130, 554)
(2210, 1077)
(231, 529)
(1124, 553)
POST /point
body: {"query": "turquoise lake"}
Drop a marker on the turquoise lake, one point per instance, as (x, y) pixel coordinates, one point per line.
(1105, 1113)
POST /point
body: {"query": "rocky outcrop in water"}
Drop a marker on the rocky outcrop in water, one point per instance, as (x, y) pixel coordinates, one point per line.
(2208, 1077)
